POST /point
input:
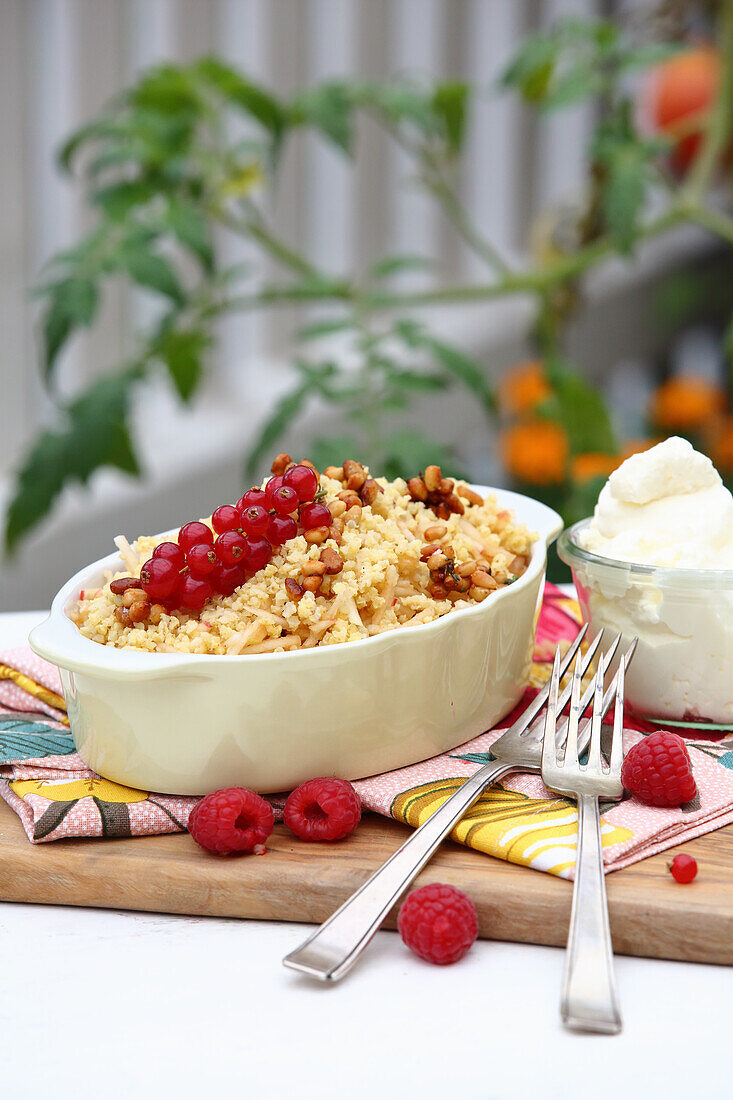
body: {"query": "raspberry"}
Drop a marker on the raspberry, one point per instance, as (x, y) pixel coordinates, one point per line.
(323, 809)
(231, 820)
(438, 923)
(683, 868)
(657, 770)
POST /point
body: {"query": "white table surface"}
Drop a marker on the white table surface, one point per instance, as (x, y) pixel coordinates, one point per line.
(97, 1002)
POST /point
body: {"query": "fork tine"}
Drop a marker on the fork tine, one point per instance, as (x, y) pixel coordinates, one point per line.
(571, 741)
(548, 743)
(594, 750)
(605, 663)
(527, 717)
(617, 748)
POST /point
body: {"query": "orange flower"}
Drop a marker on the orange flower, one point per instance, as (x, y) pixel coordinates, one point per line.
(593, 464)
(535, 452)
(721, 448)
(685, 403)
(523, 388)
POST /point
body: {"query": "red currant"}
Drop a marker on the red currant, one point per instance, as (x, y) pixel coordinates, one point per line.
(252, 496)
(193, 533)
(255, 519)
(683, 868)
(225, 518)
(304, 480)
(172, 552)
(281, 529)
(259, 552)
(285, 500)
(194, 592)
(159, 578)
(225, 578)
(201, 559)
(272, 487)
(315, 515)
(231, 547)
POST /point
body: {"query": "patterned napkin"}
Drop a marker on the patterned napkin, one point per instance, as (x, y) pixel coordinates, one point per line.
(55, 795)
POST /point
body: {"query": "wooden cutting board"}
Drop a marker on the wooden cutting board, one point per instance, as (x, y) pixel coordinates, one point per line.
(651, 915)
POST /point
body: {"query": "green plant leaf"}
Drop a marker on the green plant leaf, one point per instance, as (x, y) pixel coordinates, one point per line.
(580, 409)
(281, 417)
(182, 352)
(252, 98)
(167, 90)
(150, 270)
(116, 200)
(94, 434)
(327, 108)
(71, 304)
(449, 102)
(624, 191)
(457, 363)
(193, 230)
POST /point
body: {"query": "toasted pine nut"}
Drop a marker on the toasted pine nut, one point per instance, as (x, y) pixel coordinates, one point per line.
(336, 472)
(438, 591)
(466, 568)
(446, 486)
(157, 611)
(449, 552)
(131, 596)
(349, 497)
(518, 565)
(432, 478)
(354, 513)
(316, 535)
(482, 579)
(463, 584)
(369, 491)
(436, 531)
(139, 610)
(417, 489)
(122, 584)
(122, 615)
(280, 463)
(469, 495)
(429, 550)
(441, 511)
(337, 528)
(455, 504)
(293, 589)
(352, 467)
(437, 561)
(478, 594)
(356, 480)
(337, 508)
(313, 568)
(332, 561)
(312, 584)
(307, 462)
(449, 583)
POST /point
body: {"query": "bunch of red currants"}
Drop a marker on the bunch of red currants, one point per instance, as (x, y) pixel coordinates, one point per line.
(186, 574)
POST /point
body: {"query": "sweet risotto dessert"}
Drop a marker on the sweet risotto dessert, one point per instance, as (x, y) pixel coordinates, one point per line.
(309, 560)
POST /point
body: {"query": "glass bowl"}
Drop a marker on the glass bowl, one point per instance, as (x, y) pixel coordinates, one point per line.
(682, 673)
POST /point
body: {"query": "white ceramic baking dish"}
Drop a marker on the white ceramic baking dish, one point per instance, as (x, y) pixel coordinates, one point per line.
(189, 723)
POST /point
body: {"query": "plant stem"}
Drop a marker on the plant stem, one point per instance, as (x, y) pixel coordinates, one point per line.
(714, 220)
(454, 211)
(718, 125)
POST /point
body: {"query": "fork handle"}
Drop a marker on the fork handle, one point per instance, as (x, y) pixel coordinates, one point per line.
(589, 1000)
(334, 947)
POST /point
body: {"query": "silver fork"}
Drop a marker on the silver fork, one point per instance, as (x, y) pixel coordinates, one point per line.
(330, 952)
(589, 998)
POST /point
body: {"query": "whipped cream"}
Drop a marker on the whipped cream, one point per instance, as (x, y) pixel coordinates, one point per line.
(666, 507)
